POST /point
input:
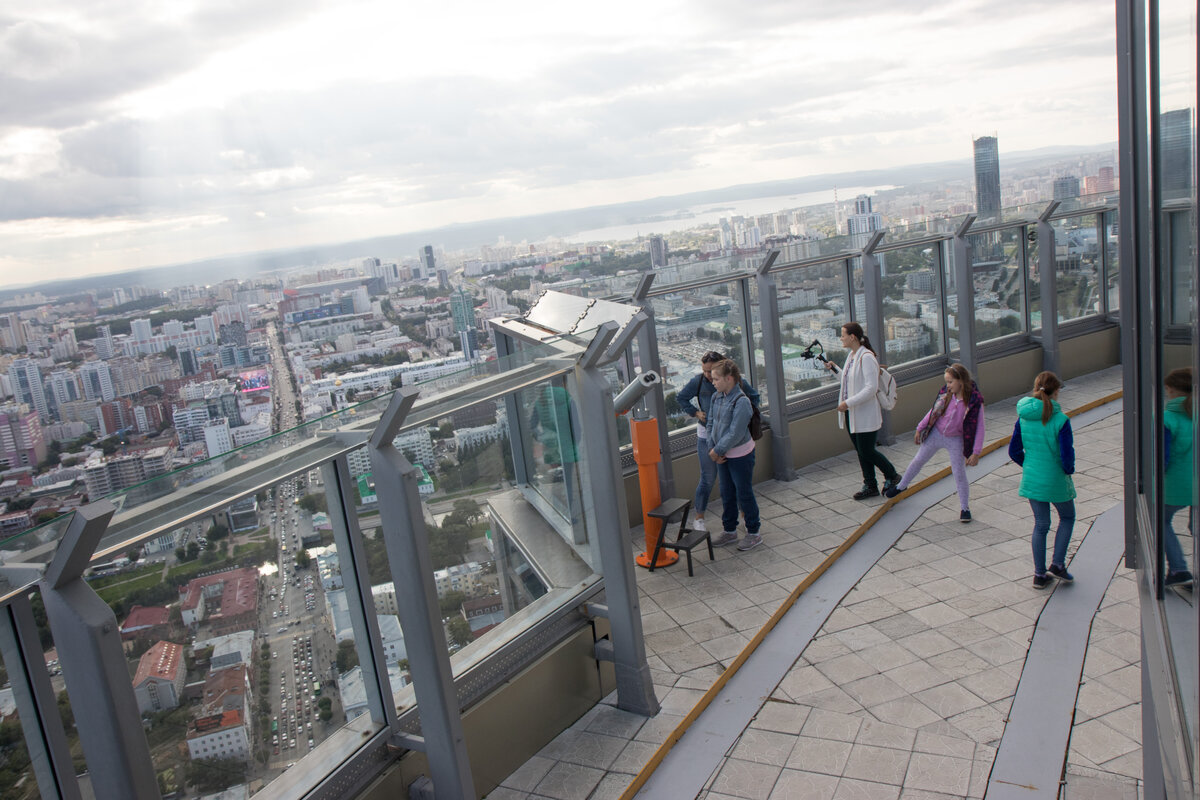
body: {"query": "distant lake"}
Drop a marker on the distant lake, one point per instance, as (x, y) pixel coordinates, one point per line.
(710, 213)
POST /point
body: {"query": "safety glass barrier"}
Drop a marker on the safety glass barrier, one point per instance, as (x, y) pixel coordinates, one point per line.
(690, 324)
(17, 778)
(232, 631)
(999, 279)
(1077, 262)
(812, 302)
(1112, 273)
(157, 504)
(912, 313)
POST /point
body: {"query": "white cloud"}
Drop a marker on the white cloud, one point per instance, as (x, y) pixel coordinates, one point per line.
(313, 121)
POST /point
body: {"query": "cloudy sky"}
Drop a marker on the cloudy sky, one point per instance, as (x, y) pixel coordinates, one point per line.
(137, 133)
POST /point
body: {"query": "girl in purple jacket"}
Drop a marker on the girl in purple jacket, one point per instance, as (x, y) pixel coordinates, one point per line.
(955, 424)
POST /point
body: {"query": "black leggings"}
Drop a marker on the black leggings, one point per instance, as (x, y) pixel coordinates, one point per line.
(869, 458)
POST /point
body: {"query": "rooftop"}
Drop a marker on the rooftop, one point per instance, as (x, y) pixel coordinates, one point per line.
(898, 645)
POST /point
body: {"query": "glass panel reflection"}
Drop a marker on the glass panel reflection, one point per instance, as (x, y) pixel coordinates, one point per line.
(812, 302)
(1113, 273)
(912, 314)
(1077, 267)
(999, 283)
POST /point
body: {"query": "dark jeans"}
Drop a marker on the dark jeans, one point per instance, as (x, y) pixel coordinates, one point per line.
(736, 477)
(869, 458)
(1176, 561)
(1062, 537)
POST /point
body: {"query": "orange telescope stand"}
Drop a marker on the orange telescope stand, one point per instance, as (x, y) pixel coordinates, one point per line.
(646, 455)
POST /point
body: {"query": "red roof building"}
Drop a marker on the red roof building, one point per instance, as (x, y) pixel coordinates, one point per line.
(161, 673)
(225, 602)
(145, 621)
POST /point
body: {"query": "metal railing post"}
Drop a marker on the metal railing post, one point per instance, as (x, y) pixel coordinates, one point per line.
(1048, 283)
(607, 518)
(88, 640)
(352, 558)
(965, 293)
(416, 601)
(772, 345)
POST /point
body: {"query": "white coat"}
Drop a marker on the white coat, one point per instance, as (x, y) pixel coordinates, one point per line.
(860, 379)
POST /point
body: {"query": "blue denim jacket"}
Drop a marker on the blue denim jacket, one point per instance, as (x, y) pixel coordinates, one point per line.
(728, 422)
(701, 391)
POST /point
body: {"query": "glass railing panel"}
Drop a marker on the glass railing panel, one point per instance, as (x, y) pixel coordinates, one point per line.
(550, 424)
(812, 302)
(1077, 267)
(17, 778)
(231, 640)
(1033, 284)
(950, 284)
(158, 503)
(815, 247)
(1113, 274)
(911, 306)
(690, 323)
(999, 283)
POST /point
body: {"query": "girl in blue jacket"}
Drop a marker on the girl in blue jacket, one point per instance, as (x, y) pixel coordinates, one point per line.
(695, 398)
(1043, 446)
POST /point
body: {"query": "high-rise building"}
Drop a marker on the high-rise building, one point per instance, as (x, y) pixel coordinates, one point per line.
(105, 348)
(1175, 145)
(462, 310)
(64, 387)
(1066, 187)
(658, 252)
(97, 381)
(21, 440)
(26, 379)
(428, 267)
(987, 177)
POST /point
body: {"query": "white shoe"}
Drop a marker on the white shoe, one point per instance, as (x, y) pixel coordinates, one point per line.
(698, 525)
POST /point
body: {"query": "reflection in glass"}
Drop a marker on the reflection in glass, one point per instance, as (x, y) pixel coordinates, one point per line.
(1077, 267)
(552, 455)
(689, 324)
(999, 283)
(912, 311)
(1113, 273)
(812, 302)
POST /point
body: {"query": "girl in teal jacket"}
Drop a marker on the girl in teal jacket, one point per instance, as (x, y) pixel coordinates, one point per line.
(1178, 439)
(1043, 446)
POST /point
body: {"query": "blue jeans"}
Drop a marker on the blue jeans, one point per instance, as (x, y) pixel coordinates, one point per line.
(1176, 561)
(737, 492)
(708, 476)
(1062, 537)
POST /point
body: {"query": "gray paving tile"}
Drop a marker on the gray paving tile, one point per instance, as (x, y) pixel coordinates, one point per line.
(798, 785)
(569, 781)
(746, 778)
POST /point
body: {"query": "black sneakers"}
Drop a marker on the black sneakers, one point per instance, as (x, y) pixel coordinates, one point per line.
(965, 515)
(866, 491)
(1041, 581)
(1060, 573)
(1181, 578)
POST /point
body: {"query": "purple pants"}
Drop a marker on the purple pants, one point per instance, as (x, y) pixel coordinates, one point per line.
(958, 463)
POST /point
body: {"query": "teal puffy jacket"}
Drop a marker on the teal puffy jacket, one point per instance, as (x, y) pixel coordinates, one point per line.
(1045, 451)
(1177, 481)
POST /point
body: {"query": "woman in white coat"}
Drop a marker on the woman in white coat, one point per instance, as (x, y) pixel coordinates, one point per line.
(859, 411)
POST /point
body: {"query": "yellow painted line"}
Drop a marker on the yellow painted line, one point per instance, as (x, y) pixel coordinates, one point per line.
(644, 775)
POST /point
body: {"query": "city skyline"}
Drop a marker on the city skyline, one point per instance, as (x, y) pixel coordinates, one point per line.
(136, 139)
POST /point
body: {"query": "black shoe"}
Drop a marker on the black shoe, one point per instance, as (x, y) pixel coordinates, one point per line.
(1041, 581)
(866, 491)
(1181, 578)
(1060, 573)
(964, 515)
(890, 484)
(890, 491)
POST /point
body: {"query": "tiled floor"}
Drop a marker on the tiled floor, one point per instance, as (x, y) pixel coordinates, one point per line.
(905, 691)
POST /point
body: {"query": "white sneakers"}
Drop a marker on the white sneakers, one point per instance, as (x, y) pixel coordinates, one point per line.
(698, 525)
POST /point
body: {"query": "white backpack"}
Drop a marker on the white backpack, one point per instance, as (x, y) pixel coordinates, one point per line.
(887, 393)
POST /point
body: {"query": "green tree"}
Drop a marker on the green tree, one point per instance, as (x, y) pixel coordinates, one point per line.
(347, 656)
(451, 603)
(216, 532)
(303, 559)
(460, 631)
(211, 775)
(312, 503)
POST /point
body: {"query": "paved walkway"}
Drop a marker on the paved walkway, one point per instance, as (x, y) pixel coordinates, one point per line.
(906, 688)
